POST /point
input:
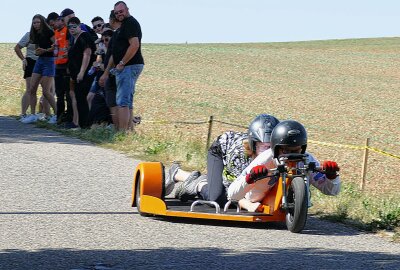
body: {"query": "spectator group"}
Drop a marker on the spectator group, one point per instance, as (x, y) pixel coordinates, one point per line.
(88, 73)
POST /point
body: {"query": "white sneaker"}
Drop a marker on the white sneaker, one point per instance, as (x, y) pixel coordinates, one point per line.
(53, 120)
(22, 117)
(30, 119)
(41, 116)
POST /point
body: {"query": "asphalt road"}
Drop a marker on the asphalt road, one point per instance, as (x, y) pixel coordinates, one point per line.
(65, 204)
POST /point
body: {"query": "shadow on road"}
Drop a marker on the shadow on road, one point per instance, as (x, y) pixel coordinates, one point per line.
(12, 131)
(314, 226)
(196, 258)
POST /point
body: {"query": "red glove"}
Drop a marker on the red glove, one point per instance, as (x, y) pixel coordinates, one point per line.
(331, 168)
(257, 173)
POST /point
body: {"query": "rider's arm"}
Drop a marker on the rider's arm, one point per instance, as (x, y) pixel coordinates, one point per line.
(321, 182)
(238, 189)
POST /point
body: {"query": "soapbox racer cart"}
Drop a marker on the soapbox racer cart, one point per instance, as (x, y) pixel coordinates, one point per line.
(287, 201)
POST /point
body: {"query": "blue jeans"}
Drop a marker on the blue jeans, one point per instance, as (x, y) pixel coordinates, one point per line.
(95, 88)
(45, 66)
(126, 81)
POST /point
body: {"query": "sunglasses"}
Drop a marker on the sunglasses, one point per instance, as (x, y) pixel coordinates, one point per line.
(116, 12)
(105, 39)
(98, 26)
(72, 26)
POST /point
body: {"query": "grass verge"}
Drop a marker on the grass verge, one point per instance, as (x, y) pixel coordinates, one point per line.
(367, 212)
(142, 146)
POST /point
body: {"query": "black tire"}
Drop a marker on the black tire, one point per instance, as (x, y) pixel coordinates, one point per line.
(137, 195)
(137, 198)
(297, 198)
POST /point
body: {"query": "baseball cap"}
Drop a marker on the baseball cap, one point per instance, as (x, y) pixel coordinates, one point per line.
(66, 12)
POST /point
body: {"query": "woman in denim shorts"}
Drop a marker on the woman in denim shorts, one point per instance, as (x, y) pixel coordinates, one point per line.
(28, 63)
(42, 36)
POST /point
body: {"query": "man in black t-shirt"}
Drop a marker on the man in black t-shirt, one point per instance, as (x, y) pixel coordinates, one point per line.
(126, 54)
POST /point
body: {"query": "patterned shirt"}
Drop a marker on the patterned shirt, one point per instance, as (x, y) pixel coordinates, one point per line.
(233, 153)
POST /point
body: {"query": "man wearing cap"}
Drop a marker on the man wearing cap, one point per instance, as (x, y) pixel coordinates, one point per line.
(67, 14)
(127, 56)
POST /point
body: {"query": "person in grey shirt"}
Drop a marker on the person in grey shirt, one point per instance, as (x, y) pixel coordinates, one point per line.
(28, 62)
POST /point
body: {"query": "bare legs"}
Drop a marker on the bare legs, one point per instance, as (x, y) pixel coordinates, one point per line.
(89, 99)
(47, 83)
(124, 116)
(114, 116)
(25, 101)
(75, 117)
(44, 105)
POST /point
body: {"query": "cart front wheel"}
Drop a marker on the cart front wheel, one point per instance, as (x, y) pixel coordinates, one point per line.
(296, 214)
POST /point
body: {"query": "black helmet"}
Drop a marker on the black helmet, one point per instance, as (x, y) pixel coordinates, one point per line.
(288, 133)
(260, 129)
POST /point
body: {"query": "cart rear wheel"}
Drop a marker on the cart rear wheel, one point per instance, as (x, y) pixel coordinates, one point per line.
(148, 181)
(296, 214)
(137, 195)
(137, 198)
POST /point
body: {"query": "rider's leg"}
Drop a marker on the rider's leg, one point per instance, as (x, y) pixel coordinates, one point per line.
(214, 190)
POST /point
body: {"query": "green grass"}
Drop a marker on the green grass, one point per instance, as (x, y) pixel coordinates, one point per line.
(359, 209)
(343, 91)
(142, 147)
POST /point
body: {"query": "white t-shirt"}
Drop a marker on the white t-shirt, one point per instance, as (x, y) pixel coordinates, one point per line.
(30, 48)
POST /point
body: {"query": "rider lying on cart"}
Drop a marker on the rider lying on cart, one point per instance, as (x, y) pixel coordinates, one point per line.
(227, 157)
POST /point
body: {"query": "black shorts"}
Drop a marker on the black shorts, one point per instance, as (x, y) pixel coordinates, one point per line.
(110, 90)
(29, 67)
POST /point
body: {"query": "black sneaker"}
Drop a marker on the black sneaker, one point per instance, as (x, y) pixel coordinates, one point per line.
(71, 125)
(188, 189)
(136, 120)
